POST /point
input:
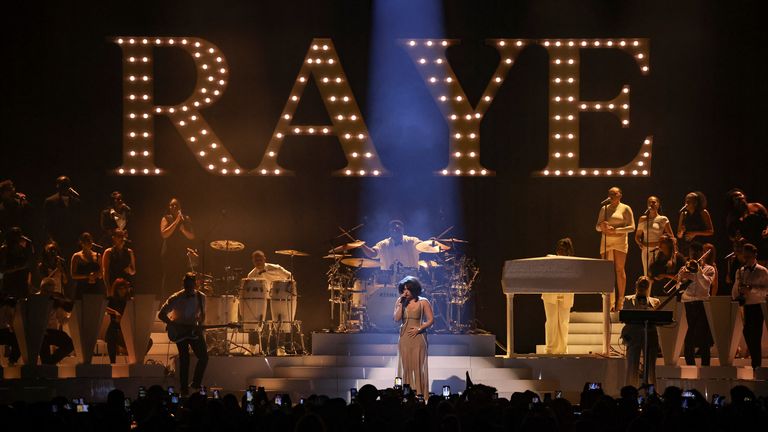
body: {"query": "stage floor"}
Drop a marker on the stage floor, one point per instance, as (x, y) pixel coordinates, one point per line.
(343, 361)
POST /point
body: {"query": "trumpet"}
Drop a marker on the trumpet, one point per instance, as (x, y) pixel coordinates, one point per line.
(691, 266)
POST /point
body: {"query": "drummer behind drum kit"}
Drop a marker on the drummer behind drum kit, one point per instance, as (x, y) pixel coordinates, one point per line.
(363, 296)
(234, 298)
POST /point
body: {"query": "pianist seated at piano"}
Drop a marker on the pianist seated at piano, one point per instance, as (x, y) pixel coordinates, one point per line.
(557, 308)
(633, 335)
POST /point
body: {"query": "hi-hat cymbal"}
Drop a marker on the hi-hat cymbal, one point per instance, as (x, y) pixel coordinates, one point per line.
(291, 252)
(347, 246)
(360, 262)
(337, 256)
(431, 246)
(227, 245)
(428, 264)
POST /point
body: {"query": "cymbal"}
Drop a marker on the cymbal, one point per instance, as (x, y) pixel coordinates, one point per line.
(453, 240)
(227, 245)
(427, 264)
(347, 246)
(431, 246)
(291, 252)
(337, 256)
(360, 262)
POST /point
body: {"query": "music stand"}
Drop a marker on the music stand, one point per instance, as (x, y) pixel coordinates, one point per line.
(645, 317)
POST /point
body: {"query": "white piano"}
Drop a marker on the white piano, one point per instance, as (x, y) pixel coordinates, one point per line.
(558, 274)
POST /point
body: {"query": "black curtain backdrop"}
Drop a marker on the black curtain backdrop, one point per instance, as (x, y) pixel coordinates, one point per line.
(703, 102)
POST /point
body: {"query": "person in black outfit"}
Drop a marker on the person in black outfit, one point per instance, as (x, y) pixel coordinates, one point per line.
(633, 335)
(748, 221)
(115, 308)
(177, 232)
(185, 311)
(85, 269)
(695, 223)
(119, 261)
(15, 210)
(62, 216)
(54, 336)
(115, 216)
(668, 262)
(16, 263)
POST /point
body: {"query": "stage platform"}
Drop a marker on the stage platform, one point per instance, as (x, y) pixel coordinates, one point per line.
(342, 361)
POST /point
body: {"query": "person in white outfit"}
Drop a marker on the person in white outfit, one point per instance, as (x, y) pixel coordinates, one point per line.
(656, 225)
(557, 308)
(615, 221)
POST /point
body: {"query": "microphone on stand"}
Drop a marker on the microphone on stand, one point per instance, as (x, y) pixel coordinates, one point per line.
(73, 192)
(605, 202)
(648, 210)
(682, 209)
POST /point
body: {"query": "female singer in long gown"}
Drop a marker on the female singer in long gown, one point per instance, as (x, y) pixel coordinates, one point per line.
(415, 315)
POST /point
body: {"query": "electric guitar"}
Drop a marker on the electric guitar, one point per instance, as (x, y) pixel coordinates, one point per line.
(178, 332)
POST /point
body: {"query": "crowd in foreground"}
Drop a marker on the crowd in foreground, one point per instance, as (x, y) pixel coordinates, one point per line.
(478, 408)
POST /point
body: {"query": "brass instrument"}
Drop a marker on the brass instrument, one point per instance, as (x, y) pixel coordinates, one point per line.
(691, 266)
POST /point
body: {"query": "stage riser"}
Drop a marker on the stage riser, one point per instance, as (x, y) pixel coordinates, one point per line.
(386, 344)
(389, 373)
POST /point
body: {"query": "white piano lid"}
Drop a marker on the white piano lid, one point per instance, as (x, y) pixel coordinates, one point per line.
(557, 274)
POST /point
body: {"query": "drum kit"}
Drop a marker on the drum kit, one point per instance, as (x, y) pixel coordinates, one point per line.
(235, 298)
(362, 296)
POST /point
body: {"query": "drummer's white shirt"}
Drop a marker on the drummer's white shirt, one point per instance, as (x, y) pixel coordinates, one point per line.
(271, 273)
(405, 253)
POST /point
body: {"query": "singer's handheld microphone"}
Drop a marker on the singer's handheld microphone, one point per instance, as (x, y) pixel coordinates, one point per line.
(605, 202)
(682, 209)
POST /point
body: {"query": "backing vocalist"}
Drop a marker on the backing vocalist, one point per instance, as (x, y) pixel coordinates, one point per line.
(615, 221)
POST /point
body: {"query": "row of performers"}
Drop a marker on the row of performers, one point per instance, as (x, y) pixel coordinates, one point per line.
(661, 248)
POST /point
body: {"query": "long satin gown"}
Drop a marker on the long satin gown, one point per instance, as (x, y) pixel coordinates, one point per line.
(412, 351)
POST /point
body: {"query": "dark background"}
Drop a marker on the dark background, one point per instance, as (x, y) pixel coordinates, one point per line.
(704, 103)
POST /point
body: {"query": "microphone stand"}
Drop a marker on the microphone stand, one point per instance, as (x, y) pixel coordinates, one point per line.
(605, 235)
(647, 249)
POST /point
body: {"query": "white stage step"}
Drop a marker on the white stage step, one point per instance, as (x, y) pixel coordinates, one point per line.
(585, 333)
(388, 373)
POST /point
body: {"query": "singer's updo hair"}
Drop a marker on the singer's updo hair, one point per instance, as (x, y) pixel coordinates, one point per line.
(86, 237)
(412, 283)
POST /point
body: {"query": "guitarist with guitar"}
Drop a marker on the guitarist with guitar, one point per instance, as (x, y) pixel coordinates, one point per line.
(750, 290)
(184, 312)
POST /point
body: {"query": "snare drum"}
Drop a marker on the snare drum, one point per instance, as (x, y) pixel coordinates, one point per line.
(381, 303)
(253, 301)
(221, 309)
(282, 302)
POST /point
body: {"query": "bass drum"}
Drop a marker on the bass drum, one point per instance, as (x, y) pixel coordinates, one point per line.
(380, 306)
